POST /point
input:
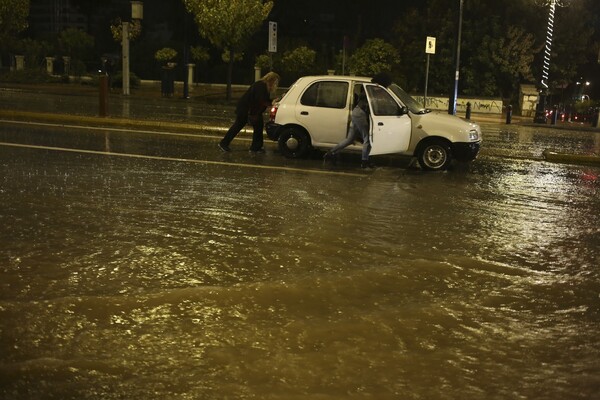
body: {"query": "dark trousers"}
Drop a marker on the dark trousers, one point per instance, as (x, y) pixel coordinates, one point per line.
(241, 121)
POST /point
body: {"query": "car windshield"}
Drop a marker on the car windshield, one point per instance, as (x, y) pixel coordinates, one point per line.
(407, 100)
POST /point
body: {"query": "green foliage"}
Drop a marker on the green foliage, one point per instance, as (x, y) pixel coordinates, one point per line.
(34, 51)
(28, 75)
(504, 59)
(228, 24)
(13, 18)
(585, 106)
(200, 54)
(263, 61)
(226, 56)
(117, 80)
(299, 62)
(373, 57)
(134, 30)
(501, 46)
(76, 43)
(166, 54)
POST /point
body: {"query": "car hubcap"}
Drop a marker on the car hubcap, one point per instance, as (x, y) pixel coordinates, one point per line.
(435, 156)
(292, 143)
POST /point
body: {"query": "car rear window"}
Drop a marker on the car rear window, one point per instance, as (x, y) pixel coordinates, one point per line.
(326, 94)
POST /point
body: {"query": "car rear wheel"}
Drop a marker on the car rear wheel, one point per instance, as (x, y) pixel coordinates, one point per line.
(435, 155)
(294, 142)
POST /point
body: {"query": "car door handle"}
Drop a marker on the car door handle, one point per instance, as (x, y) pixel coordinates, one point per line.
(380, 124)
(304, 113)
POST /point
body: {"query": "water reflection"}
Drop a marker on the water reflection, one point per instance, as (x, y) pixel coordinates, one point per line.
(140, 278)
(531, 141)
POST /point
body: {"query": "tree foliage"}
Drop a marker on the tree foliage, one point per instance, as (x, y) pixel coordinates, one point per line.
(298, 62)
(373, 57)
(13, 18)
(200, 54)
(165, 54)
(501, 46)
(228, 24)
(76, 43)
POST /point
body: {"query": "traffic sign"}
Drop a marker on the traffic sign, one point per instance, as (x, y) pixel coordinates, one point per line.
(272, 37)
(430, 45)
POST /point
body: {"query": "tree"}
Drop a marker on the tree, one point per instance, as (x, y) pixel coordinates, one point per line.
(373, 57)
(13, 19)
(78, 45)
(164, 55)
(298, 62)
(228, 24)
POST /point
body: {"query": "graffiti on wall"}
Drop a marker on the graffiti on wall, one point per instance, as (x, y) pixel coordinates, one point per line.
(487, 106)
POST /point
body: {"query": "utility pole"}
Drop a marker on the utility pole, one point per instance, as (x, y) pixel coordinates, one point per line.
(136, 13)
(454, 95)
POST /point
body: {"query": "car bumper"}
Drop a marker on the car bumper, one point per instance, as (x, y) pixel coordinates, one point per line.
(272, 130)
(466, 151)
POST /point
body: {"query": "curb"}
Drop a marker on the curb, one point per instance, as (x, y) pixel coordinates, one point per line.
(108, 122)
(565, 158)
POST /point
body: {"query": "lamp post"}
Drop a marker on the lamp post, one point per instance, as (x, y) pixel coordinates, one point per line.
(137, 12)
(540, 111)
(454, 95)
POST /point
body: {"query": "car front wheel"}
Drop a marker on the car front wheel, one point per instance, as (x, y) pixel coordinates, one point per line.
(434, 155)
(294, 142)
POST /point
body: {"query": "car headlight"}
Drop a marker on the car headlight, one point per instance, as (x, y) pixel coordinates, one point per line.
(473, 135)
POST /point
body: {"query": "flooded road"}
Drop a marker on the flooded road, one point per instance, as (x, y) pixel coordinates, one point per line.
(212, 276)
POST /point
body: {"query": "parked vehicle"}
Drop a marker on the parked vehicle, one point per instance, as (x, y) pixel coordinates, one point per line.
(315, 113)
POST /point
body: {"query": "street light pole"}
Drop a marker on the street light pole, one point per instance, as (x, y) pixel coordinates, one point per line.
(125, 49)
(136, 13)
(454, 95)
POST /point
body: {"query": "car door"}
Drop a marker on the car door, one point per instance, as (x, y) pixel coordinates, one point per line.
(390, 127)
(323, 110)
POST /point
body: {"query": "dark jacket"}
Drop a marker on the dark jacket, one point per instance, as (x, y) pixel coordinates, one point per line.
(255, 101)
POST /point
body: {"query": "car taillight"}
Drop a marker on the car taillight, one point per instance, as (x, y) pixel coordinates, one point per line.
(273, 113)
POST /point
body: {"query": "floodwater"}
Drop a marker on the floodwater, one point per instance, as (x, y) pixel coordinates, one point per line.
(142, 278)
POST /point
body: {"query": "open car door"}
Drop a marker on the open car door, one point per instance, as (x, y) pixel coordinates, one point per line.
(390, 126)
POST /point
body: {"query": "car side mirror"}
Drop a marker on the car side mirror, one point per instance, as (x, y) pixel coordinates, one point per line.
(403, 110)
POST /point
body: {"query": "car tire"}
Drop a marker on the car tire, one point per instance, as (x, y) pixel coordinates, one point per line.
(294, 142)
(434, 155)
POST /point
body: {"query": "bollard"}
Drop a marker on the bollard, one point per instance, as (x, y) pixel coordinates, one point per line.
(554, 115)
(508, 114)
(103, 95)
(468, 116)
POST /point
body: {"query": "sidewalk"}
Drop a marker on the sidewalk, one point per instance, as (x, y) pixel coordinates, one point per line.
(145, 105)
(143, 108)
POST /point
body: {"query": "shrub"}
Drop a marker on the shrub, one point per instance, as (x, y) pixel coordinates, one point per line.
(165, 54)
(28, 75)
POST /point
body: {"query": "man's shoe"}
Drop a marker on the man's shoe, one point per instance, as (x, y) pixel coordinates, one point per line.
(224, 148)
(329, 156)
(367, 165)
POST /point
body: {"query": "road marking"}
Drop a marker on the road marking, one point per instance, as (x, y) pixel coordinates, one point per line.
(99, 128)
(186, 160)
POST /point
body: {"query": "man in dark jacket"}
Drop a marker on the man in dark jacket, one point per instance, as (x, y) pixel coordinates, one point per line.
(250, 108)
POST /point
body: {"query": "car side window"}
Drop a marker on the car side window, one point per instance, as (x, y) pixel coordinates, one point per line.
(326, 94)
(382, 102)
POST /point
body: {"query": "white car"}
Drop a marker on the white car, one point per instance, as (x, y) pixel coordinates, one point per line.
(315, 113)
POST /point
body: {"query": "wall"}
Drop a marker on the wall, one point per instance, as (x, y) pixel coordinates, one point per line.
(478, 105)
